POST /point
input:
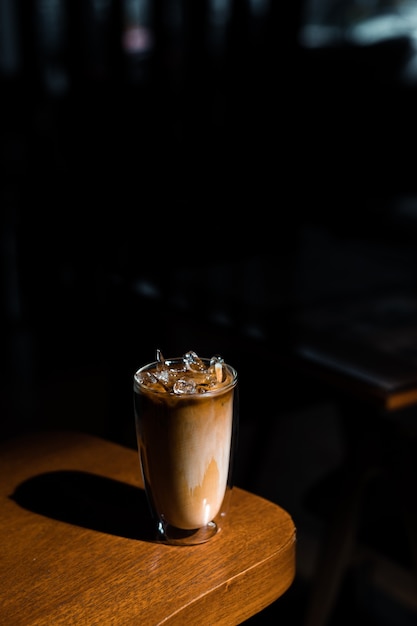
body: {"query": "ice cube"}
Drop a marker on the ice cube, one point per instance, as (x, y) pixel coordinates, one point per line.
(188, 375)
(184, 386)
(159, 357)
(216, 365)
(163, 376)
(148, 379)
(193, 362)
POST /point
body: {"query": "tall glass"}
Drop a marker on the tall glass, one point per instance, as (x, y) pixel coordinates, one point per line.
(186, 415)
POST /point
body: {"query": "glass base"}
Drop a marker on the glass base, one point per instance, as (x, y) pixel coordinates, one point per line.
(180, 537)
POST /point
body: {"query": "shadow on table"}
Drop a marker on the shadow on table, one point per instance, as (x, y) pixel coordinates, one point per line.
(88, 500)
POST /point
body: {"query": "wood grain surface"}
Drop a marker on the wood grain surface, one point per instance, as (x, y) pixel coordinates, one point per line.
(77, 546)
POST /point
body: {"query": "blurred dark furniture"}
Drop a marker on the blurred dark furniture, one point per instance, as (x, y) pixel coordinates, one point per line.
(365, 355)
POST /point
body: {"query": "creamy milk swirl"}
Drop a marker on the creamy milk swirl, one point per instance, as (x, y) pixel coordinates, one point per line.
(184, 438)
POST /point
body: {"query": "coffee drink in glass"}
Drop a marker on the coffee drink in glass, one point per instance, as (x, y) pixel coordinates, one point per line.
(186, 413)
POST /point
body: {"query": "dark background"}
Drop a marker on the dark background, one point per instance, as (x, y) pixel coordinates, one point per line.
(137, 187)
(200, 193)
(171, 196)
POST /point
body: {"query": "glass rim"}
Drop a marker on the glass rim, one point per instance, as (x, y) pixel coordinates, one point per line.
(209, 392)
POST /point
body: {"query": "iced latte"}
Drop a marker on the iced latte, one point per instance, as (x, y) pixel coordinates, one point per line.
(186, 415)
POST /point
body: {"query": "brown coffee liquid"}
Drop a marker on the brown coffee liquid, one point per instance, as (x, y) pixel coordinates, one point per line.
(184, 442)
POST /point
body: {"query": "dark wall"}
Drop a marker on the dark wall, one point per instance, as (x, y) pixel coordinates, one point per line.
(155, 196)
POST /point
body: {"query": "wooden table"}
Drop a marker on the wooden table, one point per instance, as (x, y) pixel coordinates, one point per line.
(362, 354)
(76, 546)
